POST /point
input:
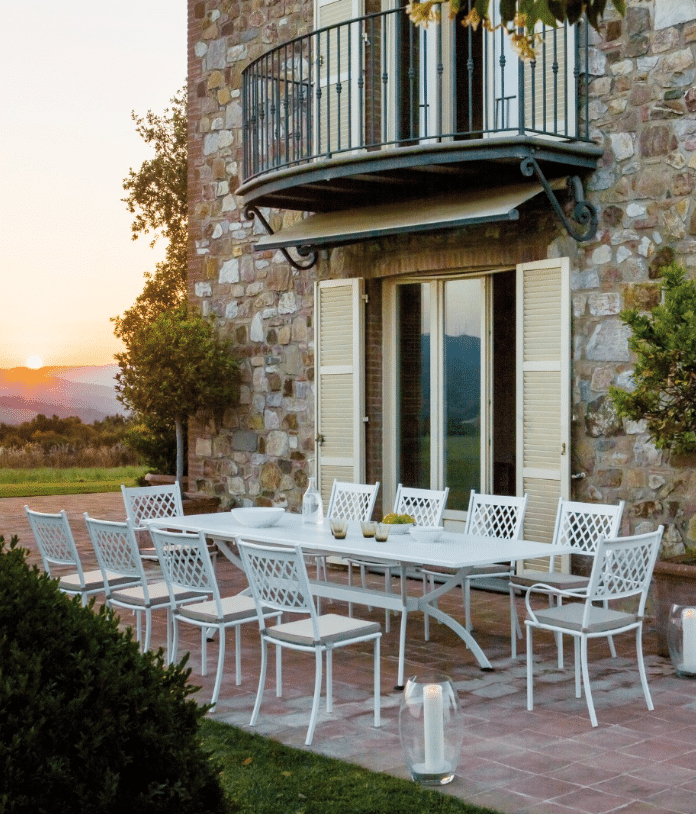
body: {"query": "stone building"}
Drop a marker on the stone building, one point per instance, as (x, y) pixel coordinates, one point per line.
(396, 227)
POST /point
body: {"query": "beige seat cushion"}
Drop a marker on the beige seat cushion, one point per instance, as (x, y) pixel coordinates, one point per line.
(233, 607)
(566, 582)
(158, 594)
(569, 617)
(93, 581)
(332, 629)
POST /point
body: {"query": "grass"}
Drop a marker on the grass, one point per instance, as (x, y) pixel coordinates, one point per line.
(70, 481)
(262, 776)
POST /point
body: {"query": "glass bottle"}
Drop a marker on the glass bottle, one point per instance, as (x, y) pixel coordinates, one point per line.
(312, 505)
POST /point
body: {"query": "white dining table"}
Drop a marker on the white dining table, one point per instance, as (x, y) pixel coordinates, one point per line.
(453, 551)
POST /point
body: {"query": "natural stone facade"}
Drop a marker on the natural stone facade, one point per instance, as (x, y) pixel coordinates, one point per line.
(642, 109)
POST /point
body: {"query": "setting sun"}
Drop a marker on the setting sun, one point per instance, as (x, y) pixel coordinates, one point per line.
(34, 362)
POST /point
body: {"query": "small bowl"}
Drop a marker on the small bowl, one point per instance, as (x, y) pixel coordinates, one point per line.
(399, 528)
(426, 534)
(258, 516)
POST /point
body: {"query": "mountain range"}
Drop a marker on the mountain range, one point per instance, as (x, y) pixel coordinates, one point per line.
(86, 392)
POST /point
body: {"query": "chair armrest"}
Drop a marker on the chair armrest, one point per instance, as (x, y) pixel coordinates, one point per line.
(549, 590)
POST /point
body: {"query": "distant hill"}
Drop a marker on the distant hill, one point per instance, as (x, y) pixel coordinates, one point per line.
(86, 392)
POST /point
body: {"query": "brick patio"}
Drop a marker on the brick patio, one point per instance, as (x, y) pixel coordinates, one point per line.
(548, 761)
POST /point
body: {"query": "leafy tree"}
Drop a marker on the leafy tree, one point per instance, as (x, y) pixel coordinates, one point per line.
(175, 367)
(664, 343)
(518, 17)
(157, 196)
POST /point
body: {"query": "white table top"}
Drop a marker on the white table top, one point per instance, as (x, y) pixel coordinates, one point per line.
(452, 550)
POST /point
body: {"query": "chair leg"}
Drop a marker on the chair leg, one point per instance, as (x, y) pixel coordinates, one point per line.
(515, 631)
(175, 639)
(329, 679)
(279, 671)
(426, 619)
(586, 680)
(220, 666)
(387, 589)
(237, 652)
(530, 670)
(578, 662)
(641, 668)
(350, 583)
(262, 682)
(204, 652)
(377, 682)
(317, 693)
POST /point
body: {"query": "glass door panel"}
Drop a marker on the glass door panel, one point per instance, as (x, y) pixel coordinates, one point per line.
(462, 389)
(414, 385)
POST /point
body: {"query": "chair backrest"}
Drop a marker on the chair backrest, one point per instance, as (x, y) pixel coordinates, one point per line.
(55, 541)
(499, 516)
(116, 549)
(622, 568)
(426, 506)
(148, 502)
(352, 501)
(185, 562)
(583, 525)
(278, 579)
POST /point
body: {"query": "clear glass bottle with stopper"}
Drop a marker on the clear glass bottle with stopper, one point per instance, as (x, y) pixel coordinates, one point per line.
(312, 505)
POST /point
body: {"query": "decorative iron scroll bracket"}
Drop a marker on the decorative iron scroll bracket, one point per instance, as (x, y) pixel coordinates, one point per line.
(584, 213)
(252, 212)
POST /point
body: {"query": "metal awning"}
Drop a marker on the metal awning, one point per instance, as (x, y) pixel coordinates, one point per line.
(445, 211)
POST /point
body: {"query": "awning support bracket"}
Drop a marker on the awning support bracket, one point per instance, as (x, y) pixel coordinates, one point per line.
(584, 213)
(252, 212)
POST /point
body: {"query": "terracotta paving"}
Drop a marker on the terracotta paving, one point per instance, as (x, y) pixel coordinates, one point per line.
(548, 761)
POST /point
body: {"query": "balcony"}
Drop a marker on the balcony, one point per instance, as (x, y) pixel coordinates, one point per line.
(376, 110)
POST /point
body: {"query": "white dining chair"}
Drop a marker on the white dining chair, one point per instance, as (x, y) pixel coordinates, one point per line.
(278, 579)
(582, 526)
(426, 506)
(119, 558)
(57, 548)
(187, 566)
(150, 503)
(621, 573)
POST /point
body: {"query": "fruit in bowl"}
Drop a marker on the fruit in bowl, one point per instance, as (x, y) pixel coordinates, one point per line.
(399, 523)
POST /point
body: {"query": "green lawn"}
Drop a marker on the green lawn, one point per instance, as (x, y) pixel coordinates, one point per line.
(71, 481)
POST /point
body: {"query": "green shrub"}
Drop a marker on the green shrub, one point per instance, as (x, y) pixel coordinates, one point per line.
(87, 722)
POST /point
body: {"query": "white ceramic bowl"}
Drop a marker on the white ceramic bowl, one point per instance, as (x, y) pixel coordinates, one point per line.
(399, 528)
(426, 534)
(258, 516)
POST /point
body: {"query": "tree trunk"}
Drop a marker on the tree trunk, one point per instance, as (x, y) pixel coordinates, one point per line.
(179, 426)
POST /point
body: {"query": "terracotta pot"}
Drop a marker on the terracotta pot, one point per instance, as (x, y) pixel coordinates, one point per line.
(674, 582)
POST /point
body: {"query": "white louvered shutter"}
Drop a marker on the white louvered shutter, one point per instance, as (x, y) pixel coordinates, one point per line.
(339, 355)
(543, 391)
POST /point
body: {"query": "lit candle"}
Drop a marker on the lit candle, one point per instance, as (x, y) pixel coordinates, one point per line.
(689, 640)
(433, 729)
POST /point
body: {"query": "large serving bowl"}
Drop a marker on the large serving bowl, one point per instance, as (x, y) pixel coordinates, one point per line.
(426, 534)
(258, 516)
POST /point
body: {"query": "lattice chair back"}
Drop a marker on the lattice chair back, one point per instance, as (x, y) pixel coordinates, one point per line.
(583, 525)
(623, 568)
(352, 501)
(278, 579)
(55, 540)
(116, 549)
(426, 506)
(151, 502)
(185, 562)
(499, 516)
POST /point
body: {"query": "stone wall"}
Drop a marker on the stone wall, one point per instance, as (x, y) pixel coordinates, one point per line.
(642, 104)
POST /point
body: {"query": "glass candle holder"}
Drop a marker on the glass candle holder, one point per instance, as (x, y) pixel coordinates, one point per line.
(430, 725)
(382, 532)
(339, 528)
(681, 639)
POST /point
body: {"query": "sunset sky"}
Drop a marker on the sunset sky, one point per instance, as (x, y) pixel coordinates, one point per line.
(71, 71)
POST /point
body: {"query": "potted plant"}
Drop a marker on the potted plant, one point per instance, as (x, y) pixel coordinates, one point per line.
(664, 399)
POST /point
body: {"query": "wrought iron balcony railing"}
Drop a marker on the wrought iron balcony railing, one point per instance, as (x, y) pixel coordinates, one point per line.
(378, 82)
